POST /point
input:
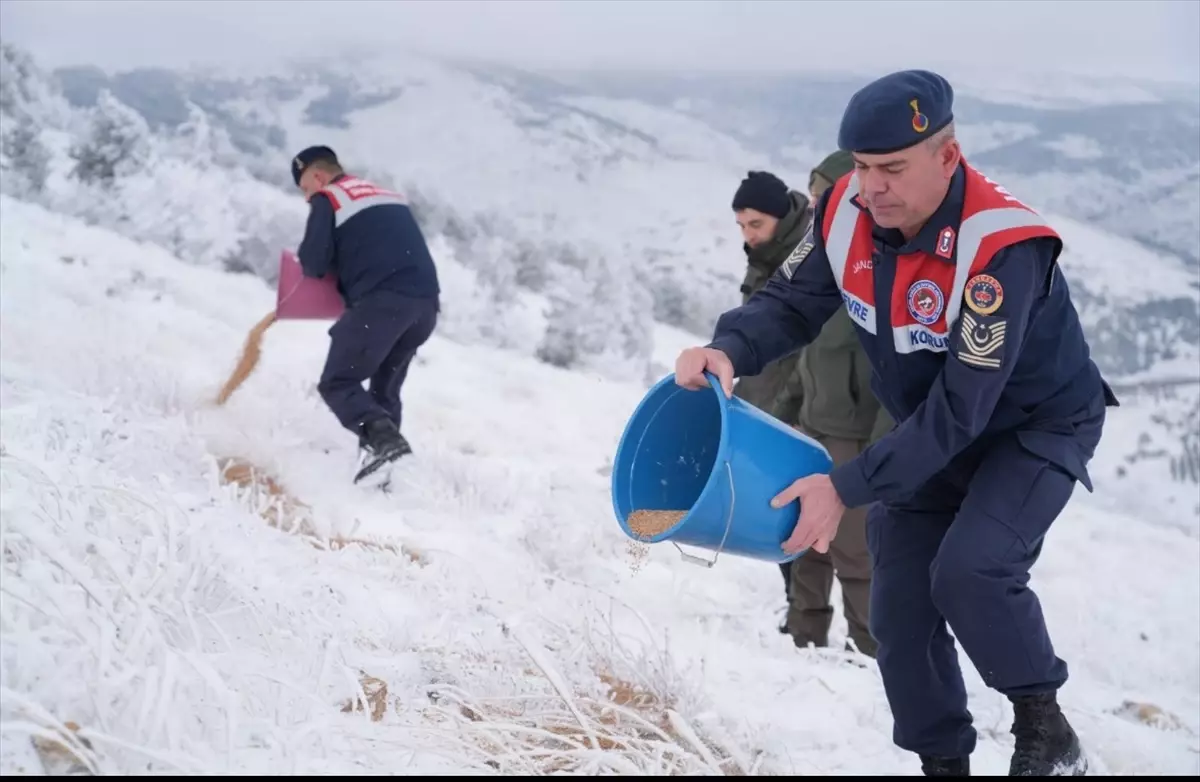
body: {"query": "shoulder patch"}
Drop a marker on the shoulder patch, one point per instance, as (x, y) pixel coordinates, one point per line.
(981, 340)
(798, 255)
(984, 294)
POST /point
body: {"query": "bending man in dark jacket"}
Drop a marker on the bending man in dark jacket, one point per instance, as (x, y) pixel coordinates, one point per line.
(773, 220)
(368, 238)
(828, 397)
(978, 352)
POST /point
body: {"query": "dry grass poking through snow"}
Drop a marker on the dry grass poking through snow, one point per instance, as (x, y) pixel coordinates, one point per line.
(373, 696)
(630, 721)
(622, 726)
(271, 501)
(1149, 714)
(627, 730)
(63, 753)
(133, 642)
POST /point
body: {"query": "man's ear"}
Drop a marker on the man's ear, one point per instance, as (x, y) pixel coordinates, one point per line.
(951, 154)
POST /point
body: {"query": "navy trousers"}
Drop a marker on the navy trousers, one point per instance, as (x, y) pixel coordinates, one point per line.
(961, 559)
(375, 340)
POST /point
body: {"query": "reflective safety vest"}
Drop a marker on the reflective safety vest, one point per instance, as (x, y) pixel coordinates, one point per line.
(351, 195)
(927, 294)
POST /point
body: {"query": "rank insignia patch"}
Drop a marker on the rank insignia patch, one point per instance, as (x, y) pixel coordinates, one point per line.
(798, 255)
(981, 340)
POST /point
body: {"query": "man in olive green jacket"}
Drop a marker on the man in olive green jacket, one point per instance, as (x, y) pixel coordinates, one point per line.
(828, 397)
(773, 220)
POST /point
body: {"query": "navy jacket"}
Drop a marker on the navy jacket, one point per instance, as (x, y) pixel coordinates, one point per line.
(369, 238)
(1028, 371)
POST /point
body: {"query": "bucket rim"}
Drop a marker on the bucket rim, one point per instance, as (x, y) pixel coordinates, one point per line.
(714, 386)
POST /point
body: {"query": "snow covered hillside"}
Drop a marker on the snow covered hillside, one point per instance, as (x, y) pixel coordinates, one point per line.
(198, 589)
(583, 226)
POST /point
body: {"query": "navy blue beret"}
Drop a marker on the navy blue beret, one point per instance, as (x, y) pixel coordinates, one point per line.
(307, 156)
(895, 112)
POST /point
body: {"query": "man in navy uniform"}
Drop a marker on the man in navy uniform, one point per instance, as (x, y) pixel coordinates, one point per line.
(367, 237)
(977, 352)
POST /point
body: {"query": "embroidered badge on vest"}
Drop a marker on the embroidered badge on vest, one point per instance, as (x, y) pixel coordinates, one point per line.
(798, 255)
(925, 302)
(984, 294)
(981, 340)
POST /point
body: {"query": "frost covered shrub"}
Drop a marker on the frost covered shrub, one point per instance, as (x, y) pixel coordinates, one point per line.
(600, 316)
(117, 143)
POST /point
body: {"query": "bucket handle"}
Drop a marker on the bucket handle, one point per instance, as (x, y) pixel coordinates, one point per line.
(284, 299)
(708, 563)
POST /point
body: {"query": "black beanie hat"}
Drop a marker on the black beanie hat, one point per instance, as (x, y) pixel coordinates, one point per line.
(764, 192)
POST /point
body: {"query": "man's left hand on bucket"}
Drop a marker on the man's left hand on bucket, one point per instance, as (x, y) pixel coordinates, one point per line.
(694, 362)
(821, 512)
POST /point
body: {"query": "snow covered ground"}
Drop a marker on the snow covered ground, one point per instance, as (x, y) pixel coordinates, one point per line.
(489, 616)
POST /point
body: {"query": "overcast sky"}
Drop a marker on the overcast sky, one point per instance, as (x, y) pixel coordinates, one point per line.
(1146, 38)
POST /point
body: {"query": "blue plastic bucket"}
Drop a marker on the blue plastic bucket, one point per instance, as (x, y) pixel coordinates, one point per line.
(720, 460)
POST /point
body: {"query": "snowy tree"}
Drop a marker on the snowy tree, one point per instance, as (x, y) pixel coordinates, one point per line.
(117, 143)
(670, 300)
(601, 316)
(199, 141)
(530, 266)
(28, 105)
(24, 159)
(264, 234)
(497, 280)
(623, 317)
(18, 77)
(564, 342)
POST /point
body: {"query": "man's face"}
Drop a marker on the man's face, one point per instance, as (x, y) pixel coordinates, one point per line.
(312, 180)
(903, 189)
(757, 228)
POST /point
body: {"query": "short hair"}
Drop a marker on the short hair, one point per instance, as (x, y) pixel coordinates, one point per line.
(941, 137)
(327, 164)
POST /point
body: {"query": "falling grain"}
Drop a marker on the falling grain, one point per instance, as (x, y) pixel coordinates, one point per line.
(648, 523)
(249, 360)
(637, 553)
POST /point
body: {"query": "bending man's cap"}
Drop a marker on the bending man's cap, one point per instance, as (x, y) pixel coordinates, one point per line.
(306, 157)
(896, 112)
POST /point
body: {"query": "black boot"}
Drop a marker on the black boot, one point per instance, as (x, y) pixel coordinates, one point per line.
(786, 569)
(382, 443)
(945, 767)
(1046, 745)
